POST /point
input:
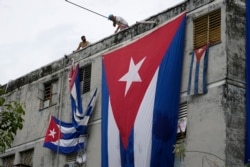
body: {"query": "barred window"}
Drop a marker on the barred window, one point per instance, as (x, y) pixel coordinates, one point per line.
(27, 157)
(207, 29)
(71, 157)
(8, 161)
(71, 160)
(48, 87)
(85, 78)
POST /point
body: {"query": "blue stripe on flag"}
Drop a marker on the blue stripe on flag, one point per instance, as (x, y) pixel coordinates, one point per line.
(127, 155)
(247, 141)
(105, 103)
(167, 102)
(204, 88)
(190, 76)
(196, 78)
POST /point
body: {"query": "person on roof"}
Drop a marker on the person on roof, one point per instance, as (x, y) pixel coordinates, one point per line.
(84, 43)
(122, 23)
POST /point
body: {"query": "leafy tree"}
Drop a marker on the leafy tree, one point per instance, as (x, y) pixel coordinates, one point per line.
(10, 121)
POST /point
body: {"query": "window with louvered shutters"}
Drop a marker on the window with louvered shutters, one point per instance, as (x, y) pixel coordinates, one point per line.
(85, 78)
(8, 161)
(207, 29)
(71, 157)
(47, 93)
(27, 157)
(182, 121)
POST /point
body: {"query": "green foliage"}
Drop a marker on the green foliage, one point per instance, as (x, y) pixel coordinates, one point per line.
(179, 149)
(10, 121)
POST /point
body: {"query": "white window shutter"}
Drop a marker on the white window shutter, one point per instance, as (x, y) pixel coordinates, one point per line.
(40, 94)
(54, 92)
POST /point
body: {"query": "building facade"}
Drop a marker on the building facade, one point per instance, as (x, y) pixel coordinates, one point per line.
(215, 131)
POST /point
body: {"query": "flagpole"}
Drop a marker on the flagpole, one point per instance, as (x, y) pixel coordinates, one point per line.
(60, 110)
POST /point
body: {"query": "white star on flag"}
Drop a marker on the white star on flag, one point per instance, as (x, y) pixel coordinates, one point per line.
(52, 133)
(132, 75)
(200, 50)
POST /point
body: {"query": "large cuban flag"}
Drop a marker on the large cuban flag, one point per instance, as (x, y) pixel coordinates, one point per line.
(63, 137)
(140, 97)
(247, 147)
(197, 83)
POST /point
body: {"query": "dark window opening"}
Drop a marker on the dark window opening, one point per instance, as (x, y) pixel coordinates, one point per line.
(182, 122)
(85, 78)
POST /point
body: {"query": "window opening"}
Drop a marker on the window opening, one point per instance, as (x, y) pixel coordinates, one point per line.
(207, 29)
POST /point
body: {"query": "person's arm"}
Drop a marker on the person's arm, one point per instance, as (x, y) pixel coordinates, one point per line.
(78, 48)
(118, 27)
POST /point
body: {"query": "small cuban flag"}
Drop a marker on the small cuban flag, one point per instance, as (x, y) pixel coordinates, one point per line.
(197, 83)
(63, 137)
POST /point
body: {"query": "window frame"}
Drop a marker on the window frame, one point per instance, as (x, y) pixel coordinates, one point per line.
(8, 161)
(47, 93)
(207, 29)
(182, 113)
(27, 154)
(85, 78)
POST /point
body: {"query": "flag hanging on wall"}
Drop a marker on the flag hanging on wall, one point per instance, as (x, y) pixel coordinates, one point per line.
(247, 146)
(63, 136)
(79, 118)
(83, 122)
(197, 83)
(140, 98)
(75, 95)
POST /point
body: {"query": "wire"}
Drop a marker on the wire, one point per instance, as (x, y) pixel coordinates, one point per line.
(86, 9)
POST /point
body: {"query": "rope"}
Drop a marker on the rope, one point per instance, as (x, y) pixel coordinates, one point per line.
(86, 9)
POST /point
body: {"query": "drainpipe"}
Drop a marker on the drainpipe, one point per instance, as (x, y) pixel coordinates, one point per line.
(60, 108)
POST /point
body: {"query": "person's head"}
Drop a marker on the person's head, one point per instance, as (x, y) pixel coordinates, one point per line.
(83, 38)
(112, 18)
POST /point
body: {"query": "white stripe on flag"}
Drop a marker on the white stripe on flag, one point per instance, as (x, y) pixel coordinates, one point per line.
(193, 75)
(143, 126)
(69, 142)
(67, 130)
(84, 121)
(114, 158)
(201, 74)
(74, 95)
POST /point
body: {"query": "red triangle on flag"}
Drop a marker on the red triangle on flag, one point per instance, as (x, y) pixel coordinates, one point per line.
(53, 131)
(199, 52)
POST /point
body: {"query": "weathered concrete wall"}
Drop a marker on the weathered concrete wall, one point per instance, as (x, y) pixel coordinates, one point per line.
(206, 131)
(235, 90)
(234, 104)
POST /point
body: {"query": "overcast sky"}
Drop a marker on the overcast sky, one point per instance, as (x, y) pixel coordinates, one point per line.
(34, 33)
